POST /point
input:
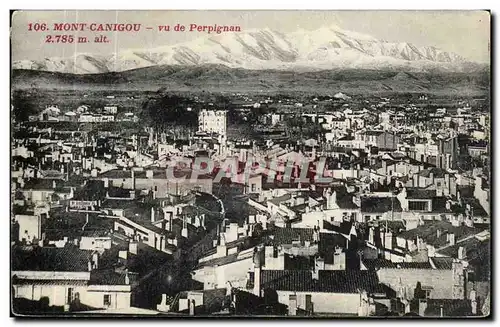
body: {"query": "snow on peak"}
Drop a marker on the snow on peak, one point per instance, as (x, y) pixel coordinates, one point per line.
(326, 47)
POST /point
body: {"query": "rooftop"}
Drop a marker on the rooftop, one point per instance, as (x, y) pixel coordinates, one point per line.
(380, 205)
(348, 281)
(68, 258)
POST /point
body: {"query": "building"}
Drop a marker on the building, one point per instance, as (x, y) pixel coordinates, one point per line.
(73, 282)
(213, 121)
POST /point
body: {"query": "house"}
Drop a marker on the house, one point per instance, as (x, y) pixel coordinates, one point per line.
(444, 281)
(66, 278)
(435, 179)
(381, 139)
(177, 182)
(322, 292)
(380, 208)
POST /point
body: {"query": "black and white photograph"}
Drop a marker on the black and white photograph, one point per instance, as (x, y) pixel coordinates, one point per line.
(253, 164)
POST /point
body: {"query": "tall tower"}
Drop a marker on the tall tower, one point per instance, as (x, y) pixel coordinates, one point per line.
(213, 121)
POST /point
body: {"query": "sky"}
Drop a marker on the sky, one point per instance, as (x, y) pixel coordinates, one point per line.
(466, 33)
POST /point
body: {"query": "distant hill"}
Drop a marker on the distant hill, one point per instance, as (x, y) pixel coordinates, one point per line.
(223, 78)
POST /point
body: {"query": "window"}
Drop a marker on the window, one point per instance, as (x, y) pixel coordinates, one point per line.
(107, 300)
(426, 291)
(254, 187)
(71, 295)
(470, 276)
(417, 205)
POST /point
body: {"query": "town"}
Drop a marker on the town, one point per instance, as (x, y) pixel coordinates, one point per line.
(337, 205)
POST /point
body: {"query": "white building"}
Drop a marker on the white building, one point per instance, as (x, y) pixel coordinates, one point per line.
(213, 121)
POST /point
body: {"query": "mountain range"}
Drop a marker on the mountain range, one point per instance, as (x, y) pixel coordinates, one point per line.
(326, 48)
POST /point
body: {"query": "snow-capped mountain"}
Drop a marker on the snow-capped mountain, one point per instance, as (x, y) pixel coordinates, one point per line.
(326, 48)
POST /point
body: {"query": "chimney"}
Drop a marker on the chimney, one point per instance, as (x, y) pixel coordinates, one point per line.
(132, 247)
(292, 305)
(422, 306)
(371, 236)
(257, 271)
(127, 279)
(315, 234)
(192, 305)
(89, 265)
(54, 185)
(320, 263)
(388, 240)
(152, 214)
(452, 238)
(473, 302)
(95, 260)
(438, 233)
(133, 179)
(431, 251)
(315, 274)
(256, 281)
(461, 253)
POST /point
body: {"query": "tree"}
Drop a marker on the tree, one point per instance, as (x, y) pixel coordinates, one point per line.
(168, 109)
(23, 106)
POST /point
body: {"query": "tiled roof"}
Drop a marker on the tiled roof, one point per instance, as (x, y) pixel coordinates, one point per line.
(116, 174)
(442, 262)
(109, 277)
(280, 199)
(475, 249)
(451, 307)
(344, 199)
(383, 263)
(219, 261)
(43, 184)
(379, 204)
(68, 258)
(439, 204)
(343, 227)
(438, 172)
(428, 232)
(466, 191)
(349, 281)
(93, 190)
(49, 282)
(478, 210)
(288, 235)
(328, 242)
(418, 193)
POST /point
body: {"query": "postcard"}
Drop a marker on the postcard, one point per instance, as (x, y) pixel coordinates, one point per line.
(218, 164)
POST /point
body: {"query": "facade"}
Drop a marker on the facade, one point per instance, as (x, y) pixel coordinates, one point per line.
(213, 121)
